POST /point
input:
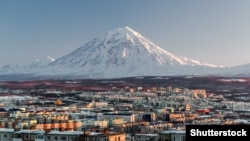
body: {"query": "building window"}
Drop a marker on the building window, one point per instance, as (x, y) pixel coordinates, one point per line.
(70, 137)
(63, 138)
(26, 136)
(39, 136)
(32, 137)
(48, 137)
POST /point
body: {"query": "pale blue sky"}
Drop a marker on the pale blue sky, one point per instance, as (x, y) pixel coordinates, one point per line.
(212, 31)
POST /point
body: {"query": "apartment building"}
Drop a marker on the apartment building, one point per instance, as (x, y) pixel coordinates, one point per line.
(172, 135)
(6, 134)
(41, 135)
(127, 117)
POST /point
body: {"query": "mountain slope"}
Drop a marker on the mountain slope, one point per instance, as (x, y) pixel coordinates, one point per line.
(122, 52)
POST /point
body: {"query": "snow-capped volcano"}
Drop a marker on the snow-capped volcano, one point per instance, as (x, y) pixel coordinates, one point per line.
(122, 52)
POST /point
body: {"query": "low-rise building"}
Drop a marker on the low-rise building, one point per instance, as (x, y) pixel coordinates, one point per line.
(173, 135)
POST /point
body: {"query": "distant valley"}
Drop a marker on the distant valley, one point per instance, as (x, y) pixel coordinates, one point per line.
(231, 88)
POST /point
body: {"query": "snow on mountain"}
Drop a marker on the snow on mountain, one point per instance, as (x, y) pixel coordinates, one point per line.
(240, 71)
(27, 68)
(122, 52)
(42, 62)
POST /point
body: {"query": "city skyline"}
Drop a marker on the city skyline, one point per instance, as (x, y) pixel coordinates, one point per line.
(214, 32)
